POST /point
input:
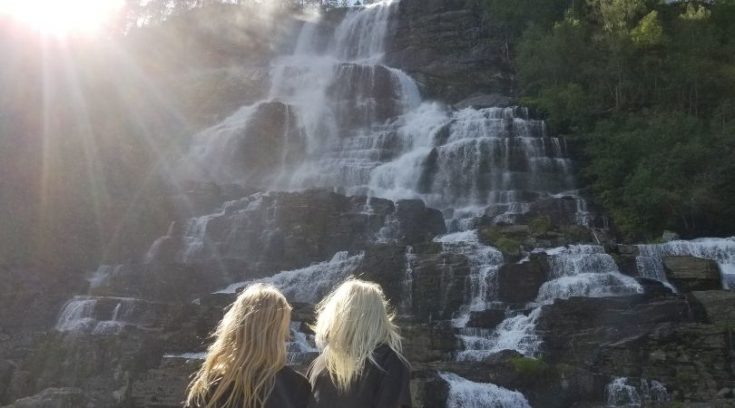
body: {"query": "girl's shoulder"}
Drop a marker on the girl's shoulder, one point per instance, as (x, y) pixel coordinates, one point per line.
(289, 376)
(386, 358)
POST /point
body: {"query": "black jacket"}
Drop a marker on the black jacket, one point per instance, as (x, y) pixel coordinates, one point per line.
(290, 390)
(384, 386)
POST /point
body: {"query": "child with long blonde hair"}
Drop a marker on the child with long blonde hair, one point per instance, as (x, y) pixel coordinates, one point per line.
(360, 365)
(246, 367)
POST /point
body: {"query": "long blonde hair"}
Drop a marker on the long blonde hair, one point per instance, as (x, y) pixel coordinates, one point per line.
(248, 351)
(351, 322)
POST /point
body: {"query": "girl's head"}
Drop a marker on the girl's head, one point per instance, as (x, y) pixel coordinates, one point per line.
(351, 322)
(248, 350)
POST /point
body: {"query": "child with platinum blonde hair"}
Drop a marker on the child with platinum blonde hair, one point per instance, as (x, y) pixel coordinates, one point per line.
(361, 364)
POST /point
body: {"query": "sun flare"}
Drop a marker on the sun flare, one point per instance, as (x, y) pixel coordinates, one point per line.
(62, 17)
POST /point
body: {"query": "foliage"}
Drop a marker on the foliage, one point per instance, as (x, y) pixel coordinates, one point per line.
(540, 225)
(645, 90)
(494, 236)
(530, 367)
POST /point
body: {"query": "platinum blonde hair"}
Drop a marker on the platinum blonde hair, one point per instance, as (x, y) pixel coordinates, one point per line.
(248, 350)
(351, 322)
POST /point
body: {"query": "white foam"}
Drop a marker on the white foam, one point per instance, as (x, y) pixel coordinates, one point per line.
(464, 393)
(308, 284)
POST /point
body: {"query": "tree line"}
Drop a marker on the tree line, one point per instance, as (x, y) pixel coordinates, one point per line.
(645, 90)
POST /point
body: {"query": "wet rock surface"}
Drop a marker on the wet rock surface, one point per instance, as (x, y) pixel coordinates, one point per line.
(450, 49)
(690, 273)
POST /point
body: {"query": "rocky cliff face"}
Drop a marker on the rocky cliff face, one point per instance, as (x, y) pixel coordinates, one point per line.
(508, 294)
(451, 50)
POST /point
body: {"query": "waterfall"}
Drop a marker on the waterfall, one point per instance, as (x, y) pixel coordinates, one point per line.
(514, 333)
(575, 270)
(76, 315)
(337, 118)
(584, 270)
(464, 393)
(721, 250)
(484, 263)
(619, 394)
(404, 307)
(300, 346)
(84, 314)
(309, 284)
(517, 333)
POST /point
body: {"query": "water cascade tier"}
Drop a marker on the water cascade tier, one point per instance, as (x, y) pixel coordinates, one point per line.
(337, 117)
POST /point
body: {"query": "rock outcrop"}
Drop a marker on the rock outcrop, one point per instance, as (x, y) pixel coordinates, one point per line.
(450, 49)
(688, 273)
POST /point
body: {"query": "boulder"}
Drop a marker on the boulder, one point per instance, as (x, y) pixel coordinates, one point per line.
(418, 223)
(520, 282)
(689, 273)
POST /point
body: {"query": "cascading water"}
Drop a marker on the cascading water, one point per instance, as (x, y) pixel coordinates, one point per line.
(514, 333)
(619, 394)
(300, 346)
(81, 315)
(349, 122)
(467, 394)
(720, 250)
(484, 262)
(584, 270)
(311, 283)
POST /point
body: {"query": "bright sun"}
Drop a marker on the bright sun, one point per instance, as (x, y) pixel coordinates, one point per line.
(62, 17)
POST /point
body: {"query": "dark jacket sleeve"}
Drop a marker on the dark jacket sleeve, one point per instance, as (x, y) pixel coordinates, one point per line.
(394, 390)
(298, 388)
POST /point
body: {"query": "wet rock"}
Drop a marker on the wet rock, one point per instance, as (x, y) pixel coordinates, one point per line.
(385, 264)
(54, 398)
(573, 329)
(449, 49)
(418, 223)
(693, 360)
(159, 281)
(353, 85)
(719, 307)
(428, 389)
(560, 211)
(689, 273)
(653, 288)
(164, 386)
(438, 285)
(424, 342)
(669, 236)
(263, 234)
(270, 141)
(520, 282)
(485, 101)
(486, 319)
